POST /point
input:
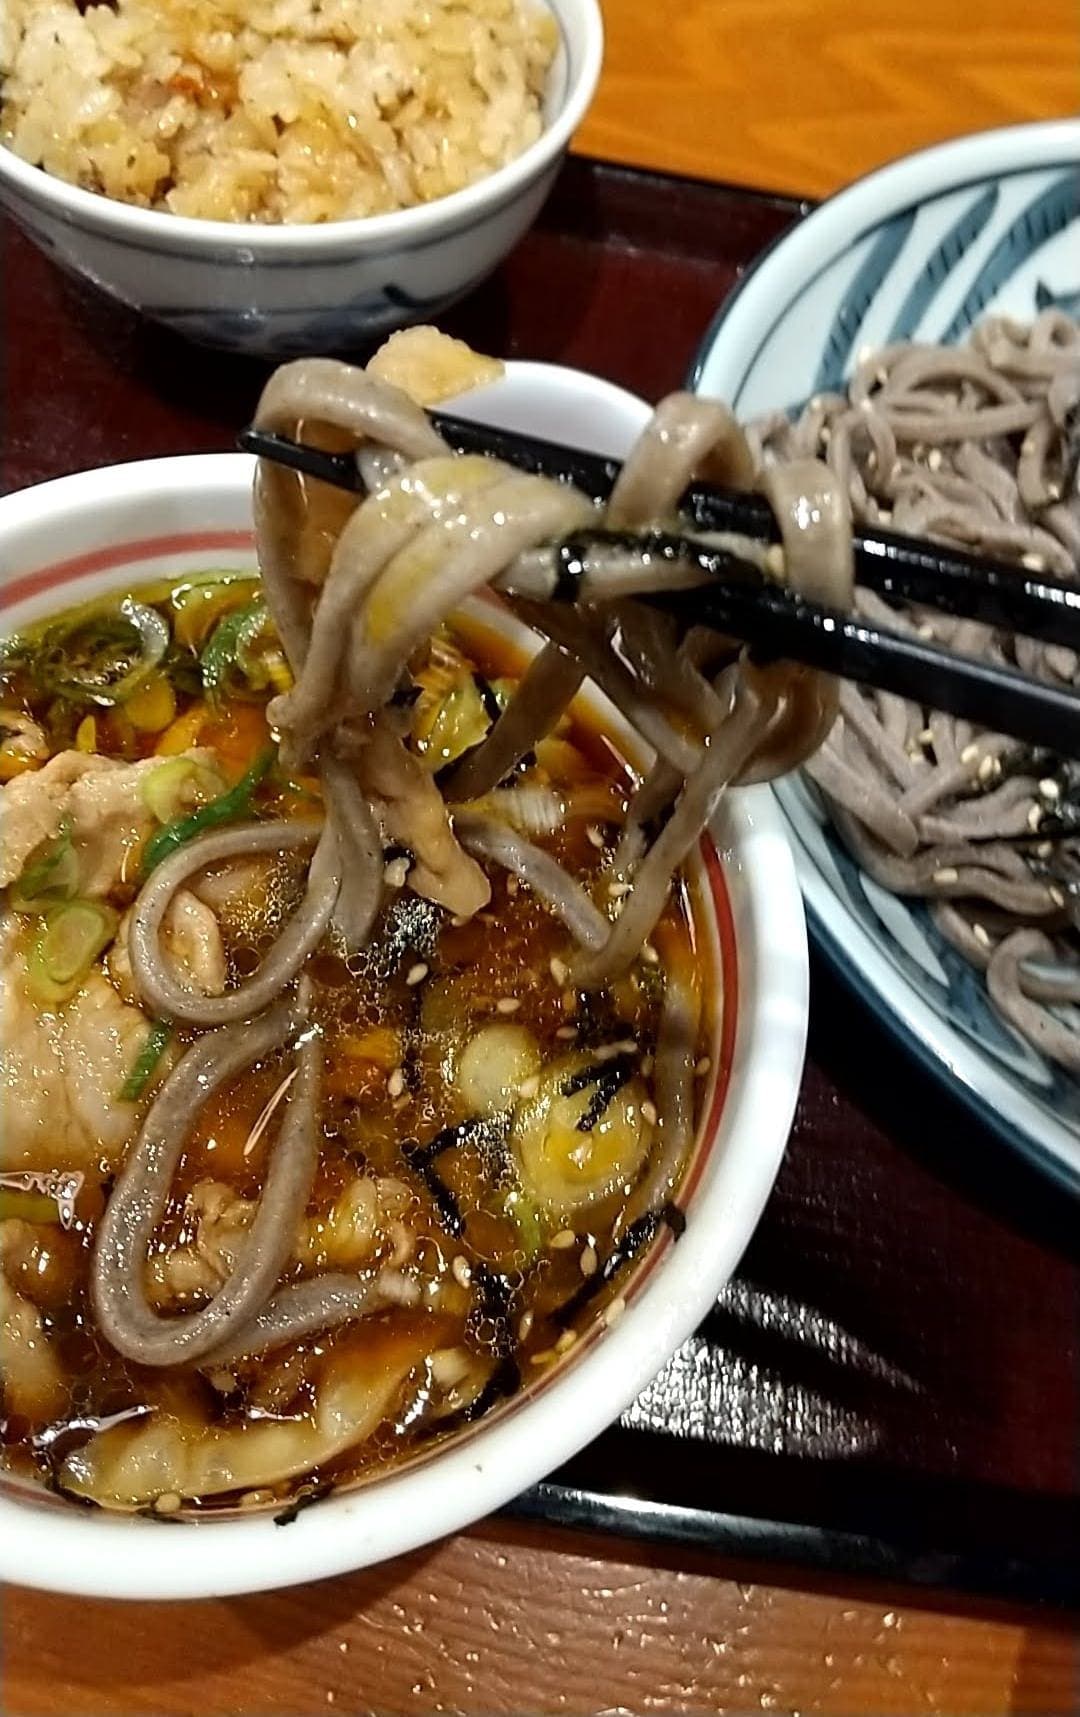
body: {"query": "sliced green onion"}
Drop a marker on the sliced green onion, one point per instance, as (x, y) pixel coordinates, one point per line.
(197, 606)
(27, 1206)
(163, 788)
(226, 808)
(64, 952)
(526, 1219)
(49, 879)
(146, 1061)
(102, 656)
(231, 663)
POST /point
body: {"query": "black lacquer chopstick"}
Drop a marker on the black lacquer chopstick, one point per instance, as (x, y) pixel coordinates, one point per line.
(963, 585)
(776, 622)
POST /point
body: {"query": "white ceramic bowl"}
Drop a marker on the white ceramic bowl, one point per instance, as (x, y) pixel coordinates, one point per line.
(286, 290)
(921, 249)
(69, 539)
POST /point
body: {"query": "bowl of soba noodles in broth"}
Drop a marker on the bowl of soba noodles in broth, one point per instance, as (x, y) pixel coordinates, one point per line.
(388, 1087)
(920, 333)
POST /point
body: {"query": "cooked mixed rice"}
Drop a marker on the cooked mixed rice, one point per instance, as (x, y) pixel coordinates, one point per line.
(273, 110)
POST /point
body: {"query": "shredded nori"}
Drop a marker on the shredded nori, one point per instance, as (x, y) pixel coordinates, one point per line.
(638, 1235)
(303, 1499)
(420, 1159)
(608, 1077)
(487, 697)
(495, 1304)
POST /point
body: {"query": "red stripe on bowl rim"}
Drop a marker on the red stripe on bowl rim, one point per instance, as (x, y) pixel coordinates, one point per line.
(103, 560)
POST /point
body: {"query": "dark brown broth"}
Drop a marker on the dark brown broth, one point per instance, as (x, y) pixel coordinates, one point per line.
(499, 1298)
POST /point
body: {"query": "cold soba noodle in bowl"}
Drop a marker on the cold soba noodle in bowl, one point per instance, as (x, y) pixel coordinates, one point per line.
(976, 445)
(352, 997)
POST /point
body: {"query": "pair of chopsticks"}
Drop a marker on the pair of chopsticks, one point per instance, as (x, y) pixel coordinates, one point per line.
(777, 622)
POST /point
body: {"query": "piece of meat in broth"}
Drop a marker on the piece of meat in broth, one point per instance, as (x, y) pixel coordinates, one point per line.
(61, 1073)
(191, 938)
(100, 797)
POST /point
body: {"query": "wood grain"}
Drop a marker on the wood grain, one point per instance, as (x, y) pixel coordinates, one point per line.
(489, 1625)
(803, 95)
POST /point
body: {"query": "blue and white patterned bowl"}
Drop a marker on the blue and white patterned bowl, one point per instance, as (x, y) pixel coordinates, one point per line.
(919, 250)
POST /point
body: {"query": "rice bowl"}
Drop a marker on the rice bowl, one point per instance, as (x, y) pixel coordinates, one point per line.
(284, 111)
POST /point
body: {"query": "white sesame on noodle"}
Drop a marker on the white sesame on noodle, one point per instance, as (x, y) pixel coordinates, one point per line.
(416, 974)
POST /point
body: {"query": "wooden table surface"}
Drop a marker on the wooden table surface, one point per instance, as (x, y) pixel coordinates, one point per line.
(803, 95)
(788, 94)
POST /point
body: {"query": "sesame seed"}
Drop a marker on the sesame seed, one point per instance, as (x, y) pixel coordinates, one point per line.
(702, 1067)
(614, 1311)
(395, 1085)
(529, 1087)
(559, 970)
(774, 561)
(970, 753)
(416, 974)
(167, 1503)
(618, 889)
(568, 1001)
(981, 935)
(512, 886)
(567, 1033)
(1033, 562)
(589, 1261)
(543, 1358)
(459, 920)
(648, 1112)
(566, 1341)
(1049, 790)
(564, 1239)
(948, 873)
(507, 1005)
(595, 837)
(885, 515)
(1034, 817)
(649, 954)
(330, 1695)
(926, 737)
(1044, 848)
(989, 767)
(344, 1646)
(461, 1271)
(525, 1326)
(608, 1051)
(935, 459)
(648, 1062)
(395, 872)
(1057, 895)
